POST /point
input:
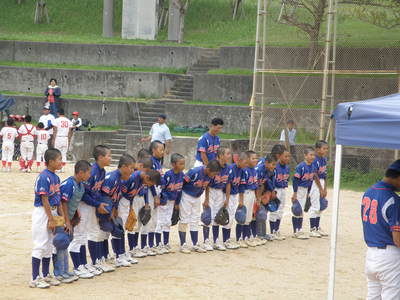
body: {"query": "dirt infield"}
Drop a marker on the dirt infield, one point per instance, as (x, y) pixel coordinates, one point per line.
(291, 269)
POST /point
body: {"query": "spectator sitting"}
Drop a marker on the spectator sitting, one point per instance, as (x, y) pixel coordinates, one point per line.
(53, 93)
(76, 121)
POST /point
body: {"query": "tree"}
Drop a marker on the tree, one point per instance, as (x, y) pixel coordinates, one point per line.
(181, 6)
(387, 18)
(41, 13)
(236, 6)
(315, 13)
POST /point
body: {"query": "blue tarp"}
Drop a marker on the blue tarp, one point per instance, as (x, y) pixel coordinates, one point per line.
(6, 102)
(373, 123)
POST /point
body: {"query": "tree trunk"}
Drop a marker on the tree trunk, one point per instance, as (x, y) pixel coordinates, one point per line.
(41, 12)
(182, 11)
(108, 18)
(313, 55)
(19, 1)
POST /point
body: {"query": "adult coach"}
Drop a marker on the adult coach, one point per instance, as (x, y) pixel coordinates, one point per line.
(160, 132)
(380, 215)
(209, 143)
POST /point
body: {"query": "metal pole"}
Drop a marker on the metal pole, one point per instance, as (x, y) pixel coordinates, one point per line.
(325, 79)
(108, 18)
(264, 39)
(253, 96)
(335, 217)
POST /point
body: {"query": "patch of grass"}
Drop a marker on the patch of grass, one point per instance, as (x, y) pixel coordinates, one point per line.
(26, 64)
(221, 103)
(355, 179)
(233, 71)
(302, 136)
(80, 21)
(105, 128)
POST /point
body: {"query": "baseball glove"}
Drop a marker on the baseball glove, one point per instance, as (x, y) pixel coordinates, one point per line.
(131, 220)
(308, 204)
(144, 215)
(222, 217)
(60, 222)
(175, 217)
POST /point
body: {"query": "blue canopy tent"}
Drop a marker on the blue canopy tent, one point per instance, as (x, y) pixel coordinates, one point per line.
(373, 123)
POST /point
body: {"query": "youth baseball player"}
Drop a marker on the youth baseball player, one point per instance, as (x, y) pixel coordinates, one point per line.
(8, 134)
(209, 143)
(319, 187)
(42, 137)
(302, 180)
(27, 132)
(380, 216)
(62, 134)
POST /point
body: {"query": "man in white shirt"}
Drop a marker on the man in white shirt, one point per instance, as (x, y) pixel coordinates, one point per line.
(291, 138)
(27, 133)
(62, 135)
(160, 132)
(47, 119)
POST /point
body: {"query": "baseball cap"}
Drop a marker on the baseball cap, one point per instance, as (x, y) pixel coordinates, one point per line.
(395, 166)
(163, 116)
(75, 113)
(46, 107)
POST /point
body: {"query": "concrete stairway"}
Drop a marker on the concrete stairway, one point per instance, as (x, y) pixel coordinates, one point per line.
(182, 89)
(209, 60)
(148, 116)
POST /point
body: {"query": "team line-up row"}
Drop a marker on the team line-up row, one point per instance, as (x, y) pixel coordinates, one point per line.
(89, 207)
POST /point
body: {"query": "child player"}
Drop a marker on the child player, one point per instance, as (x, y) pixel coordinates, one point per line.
(247, 197)
(195, 183)
(43, 137)
(8, 133)
(319, 187)
(47, 201)
(216, 198)
(282, 174)
(72, 190)
(302, 180)
(231, 198)
(171, 194)
(27, 133)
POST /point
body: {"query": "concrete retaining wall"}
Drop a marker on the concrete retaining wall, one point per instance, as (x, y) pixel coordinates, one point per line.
(111, 113)
(83, 142)
(98, 54)
(84, 82)
(305, 90)
(297, 58)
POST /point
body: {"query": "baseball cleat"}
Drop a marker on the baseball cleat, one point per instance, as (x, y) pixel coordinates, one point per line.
(149, 251)
(278, 236)
(315, 233)
(300, 235)
(169, 248)
(83, 273)
(243, 244)
(250, 242)
(321, 232)
(199, 249)
(138, 253)
(231, 245)
(207, 245)
(121, 262)
(128, 257)
(51, 280)
(219, 247)
(185, 249)
(39, 283)
(92, 269)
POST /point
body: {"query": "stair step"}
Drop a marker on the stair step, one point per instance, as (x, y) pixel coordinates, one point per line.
(154, 111)
(121, 141)
(184, 86)
(117, 151)
(179, 93)
(142, 123)
(116, 146)
(178, 97)
(132, 127)
(205, 66)
(133, 131)
(187, 90)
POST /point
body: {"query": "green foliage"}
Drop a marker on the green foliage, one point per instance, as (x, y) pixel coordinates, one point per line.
(105, 128)
(356, 180)
(80, 21)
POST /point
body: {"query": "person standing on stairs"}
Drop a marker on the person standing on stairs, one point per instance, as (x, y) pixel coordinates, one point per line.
(160, 132)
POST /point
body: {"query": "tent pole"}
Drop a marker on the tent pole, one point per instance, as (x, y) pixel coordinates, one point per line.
(334, 226)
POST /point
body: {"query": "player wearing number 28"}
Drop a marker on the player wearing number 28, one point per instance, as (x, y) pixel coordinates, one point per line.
(380, 213)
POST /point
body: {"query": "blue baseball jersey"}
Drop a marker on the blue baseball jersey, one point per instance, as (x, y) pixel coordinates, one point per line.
(92, 194)
(47, 184)
(134, 187)
(220, 180)
(248, 180)
(234, 176)
(209, 145)
(282, 175)
(195, 182)
(305, 174)
(320, 164)
(156, 164)
(261, 162)
(171, 187)
(380, 214)
(112, 185)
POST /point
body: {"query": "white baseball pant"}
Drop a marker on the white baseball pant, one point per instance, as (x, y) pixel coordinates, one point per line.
(42, 238)
(216, 202)
(93, 229)
(249, 197)
(80, 230)
(232, 207)
(138, 203)
(189, 211)
(61, 143)
(302, 198)
(7, 151)
(164, 217)
(277, 215)
(382, 267)
(198, 163)
(315, 211)
(40, 151)
(26, 149)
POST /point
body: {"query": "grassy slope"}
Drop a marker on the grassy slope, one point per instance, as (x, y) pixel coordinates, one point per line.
(208, 24)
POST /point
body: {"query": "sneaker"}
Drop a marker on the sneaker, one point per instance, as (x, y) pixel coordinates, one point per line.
(162, 250)
(110, 260)
(74, 277)
(243, 244)
(128, 257)
(199, 249)
(39, 283)
(8, 169)
(23, 170)
(231, 245)
(121, 262)
(259, 242)
(165, 249)
(83, 273)
(157, 250)
(278, 236)
(92, 269)
(138, 253)
(219, 247)
(321, 232)
(185, 249)
(250, 242)
(169, 248)
(149, 251)
(105, 266)
(300, 235)
(51, 280)
(29, 170)
(314, 233)
(208, 245)
(65, 278)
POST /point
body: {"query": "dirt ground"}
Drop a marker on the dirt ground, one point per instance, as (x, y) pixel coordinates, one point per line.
(279, 270)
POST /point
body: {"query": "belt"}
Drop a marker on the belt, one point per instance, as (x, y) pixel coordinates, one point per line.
(381, 247)
(53, 207)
